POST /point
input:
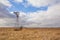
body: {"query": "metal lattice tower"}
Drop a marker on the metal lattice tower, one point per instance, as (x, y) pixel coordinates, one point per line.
(17, 18)
(17, 21)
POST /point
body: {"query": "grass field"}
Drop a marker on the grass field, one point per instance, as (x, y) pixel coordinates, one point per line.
(30, 34)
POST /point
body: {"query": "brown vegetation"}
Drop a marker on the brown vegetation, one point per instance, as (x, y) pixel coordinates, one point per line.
(30, 34)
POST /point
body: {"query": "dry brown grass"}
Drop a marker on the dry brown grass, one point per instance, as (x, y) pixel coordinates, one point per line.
(30, 34)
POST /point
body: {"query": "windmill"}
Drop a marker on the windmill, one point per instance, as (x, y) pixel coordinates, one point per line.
(17, 21)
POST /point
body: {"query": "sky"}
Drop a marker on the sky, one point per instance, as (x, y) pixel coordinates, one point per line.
(33, 13)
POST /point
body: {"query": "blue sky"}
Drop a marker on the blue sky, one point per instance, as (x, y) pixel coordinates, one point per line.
(20, 7)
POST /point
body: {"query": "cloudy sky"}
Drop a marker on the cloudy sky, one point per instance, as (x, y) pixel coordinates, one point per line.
(33, 13)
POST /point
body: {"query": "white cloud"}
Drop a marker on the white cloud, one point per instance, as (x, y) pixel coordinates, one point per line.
(38, 3)
(4, 12)
(2, 21)
(6, 19)
(49, 18)
(5, 2)
(7, 22)
(18, 0)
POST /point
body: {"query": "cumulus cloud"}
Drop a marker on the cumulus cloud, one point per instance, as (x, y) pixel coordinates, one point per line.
(7, 22)
(6, 19)
(38, 3)
(49, 18)
(4, 12)
(18, 0)
(5, 2)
